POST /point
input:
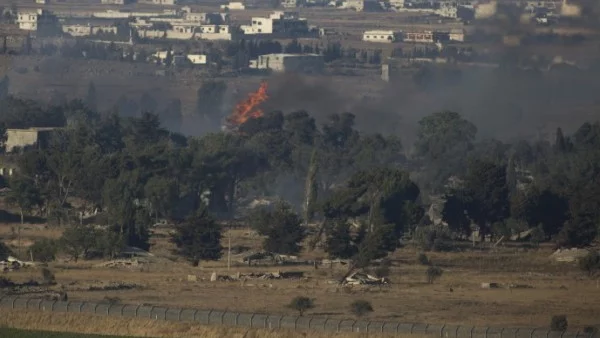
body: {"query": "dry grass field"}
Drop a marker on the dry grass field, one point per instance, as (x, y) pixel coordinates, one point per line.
(81, 323)
(456, 298)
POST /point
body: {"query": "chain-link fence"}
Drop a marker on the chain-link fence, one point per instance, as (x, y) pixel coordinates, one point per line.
(261, 320)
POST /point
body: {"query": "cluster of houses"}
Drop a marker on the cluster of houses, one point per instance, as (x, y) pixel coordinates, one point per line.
(456, 35)
(182, 24)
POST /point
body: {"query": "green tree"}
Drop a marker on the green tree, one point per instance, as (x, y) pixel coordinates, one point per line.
(485, 186)
(4, 251)
(590, 264)
(454, 213)
(340, 243)
(580, 231)
(442, 132)
(162, 194)
(360, 308)
(198, 238)
(301, 304)
(147, 103)
(78, 241)
(541, 207)
(44, 250)
(281, 226)
(310, 189)
(91, 99)
(24, 195)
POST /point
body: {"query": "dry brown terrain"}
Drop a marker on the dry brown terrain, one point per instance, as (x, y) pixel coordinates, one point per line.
(457, 298)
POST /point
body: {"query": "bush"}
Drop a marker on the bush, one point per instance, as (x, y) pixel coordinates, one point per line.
(4, 251)
(590, 264)
(435, 238)
(360, 308)
(301, 304)
(559, 323)
(433, 273)
(44, 250)
(48, 276)
(383, 270)
(423, 259)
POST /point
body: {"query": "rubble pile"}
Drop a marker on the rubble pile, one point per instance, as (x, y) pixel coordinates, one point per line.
(361, 278)
(258, 275)
(12, 264)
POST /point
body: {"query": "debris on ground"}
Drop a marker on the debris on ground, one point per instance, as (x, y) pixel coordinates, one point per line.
(100, 286)
(361, 278)
(121, 263)
(258, 275)
(569, 255)
(490, 285)
(11, 263)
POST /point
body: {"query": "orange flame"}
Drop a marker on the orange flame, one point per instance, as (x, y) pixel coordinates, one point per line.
(248, 109)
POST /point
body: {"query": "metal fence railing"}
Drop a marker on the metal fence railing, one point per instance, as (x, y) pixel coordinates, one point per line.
(260, 320)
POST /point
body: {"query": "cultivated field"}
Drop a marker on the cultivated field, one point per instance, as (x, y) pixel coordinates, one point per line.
(541, 288)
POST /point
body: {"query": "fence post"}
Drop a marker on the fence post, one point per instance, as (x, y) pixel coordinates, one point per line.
(501, 331)
(40, 305)
(368, 324)
(252, 319)
(279, 322)
(354, 323)
(548, 334)
(68, 303)
(151, 309)
(426, 328)
(562, 334)
(296, 323)
(195, 313)
(179, 315)
(13, 302)
(338, 326)
(223, 317)
(471, 333)
(137, 309)
(51, 308)
(238, 316)
(27, 304)
(165, 315)
(531, 334)
(442, 331)
(122, 308)
(456, 333)
(486, 331)
(412, 326)
(265, 322)
(517, 332)
(311, 319)
(81, 307)
(96, 307)
(108, 309)
(325, 324)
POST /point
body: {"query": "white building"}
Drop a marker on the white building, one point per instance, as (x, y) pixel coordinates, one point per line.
(448, 9)
(380, 36)
(197, 59)
(286, 23)
(234, 6)
(160, 2)
(116, 2)
(361, 5)
(87, 30)
(28, 20)
(41, 2)
(292, 3)
(299, 63)
(457, 35)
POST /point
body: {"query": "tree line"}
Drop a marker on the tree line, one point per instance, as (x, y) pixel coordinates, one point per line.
(354, 194)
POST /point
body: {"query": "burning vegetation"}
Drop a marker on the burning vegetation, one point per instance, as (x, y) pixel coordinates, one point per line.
(248, 108)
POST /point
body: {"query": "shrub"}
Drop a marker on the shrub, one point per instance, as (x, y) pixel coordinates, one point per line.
(44, 250)
(301, 304)
(423, 259)
(48, 276)
(559, 323)
(433, 273)
(435, 238)
(383, 270)
(4, 251)
(590, 264)
(360, 308)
